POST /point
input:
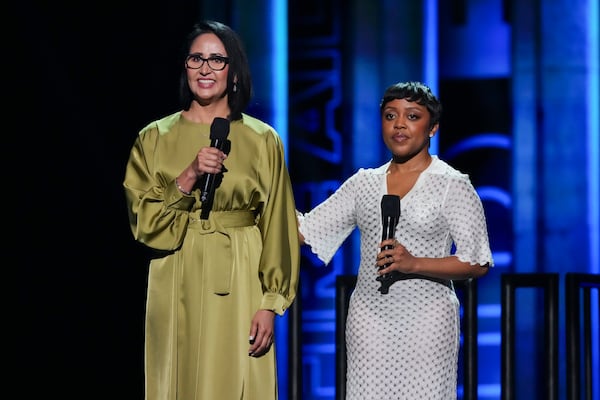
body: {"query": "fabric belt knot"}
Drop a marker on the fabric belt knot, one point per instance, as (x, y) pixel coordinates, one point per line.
(217, 253)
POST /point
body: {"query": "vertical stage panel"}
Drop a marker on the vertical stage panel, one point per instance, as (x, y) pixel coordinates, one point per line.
(512, 345)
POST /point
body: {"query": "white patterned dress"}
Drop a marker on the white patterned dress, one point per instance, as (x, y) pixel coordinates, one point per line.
(402, 345)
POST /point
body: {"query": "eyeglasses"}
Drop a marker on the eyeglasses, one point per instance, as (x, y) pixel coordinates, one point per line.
(216, 63)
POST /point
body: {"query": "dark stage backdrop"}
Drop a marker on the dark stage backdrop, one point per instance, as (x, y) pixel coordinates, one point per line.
(84, 78)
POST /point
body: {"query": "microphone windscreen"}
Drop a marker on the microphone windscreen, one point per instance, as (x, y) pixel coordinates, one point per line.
(219, 129)
(390, 206)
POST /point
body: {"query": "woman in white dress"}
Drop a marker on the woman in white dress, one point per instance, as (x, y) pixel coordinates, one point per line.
(402, 334)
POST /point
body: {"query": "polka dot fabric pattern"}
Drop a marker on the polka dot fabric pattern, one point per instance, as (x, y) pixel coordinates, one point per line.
(402, 345)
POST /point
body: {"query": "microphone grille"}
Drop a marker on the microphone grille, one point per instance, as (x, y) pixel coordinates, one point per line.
(219, 129)
(390, 206)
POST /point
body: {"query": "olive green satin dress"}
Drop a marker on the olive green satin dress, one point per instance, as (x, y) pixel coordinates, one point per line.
(210, 276)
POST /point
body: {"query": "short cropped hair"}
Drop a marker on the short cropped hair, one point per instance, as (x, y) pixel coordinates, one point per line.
(417, 92)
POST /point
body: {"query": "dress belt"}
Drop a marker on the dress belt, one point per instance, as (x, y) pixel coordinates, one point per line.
(444, 282)
(388, 279)
(223, 219)
(218, 262)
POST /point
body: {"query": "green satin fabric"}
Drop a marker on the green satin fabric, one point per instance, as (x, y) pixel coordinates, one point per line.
(211, 276)
(218, 237)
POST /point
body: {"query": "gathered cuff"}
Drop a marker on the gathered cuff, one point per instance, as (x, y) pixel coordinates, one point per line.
(274, 302)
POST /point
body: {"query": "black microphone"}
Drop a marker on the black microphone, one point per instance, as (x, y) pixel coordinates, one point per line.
(219, 130)
(390, 215)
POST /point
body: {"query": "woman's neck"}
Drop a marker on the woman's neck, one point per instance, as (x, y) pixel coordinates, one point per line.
(205, 114)
(414, 164)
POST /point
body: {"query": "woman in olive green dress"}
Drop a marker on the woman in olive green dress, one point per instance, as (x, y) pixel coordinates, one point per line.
(217, 279)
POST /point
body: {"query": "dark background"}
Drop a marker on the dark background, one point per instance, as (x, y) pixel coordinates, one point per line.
(85, 78)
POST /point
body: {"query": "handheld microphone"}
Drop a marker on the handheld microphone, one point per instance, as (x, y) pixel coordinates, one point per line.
(219, 130)
(390, 215)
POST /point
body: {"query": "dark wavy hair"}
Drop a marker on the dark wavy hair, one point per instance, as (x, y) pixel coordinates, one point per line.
(417, 92)
(239, 67)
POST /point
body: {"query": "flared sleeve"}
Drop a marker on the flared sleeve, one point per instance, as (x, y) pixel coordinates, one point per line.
(328, 225)
(465, 216)
(280, 260)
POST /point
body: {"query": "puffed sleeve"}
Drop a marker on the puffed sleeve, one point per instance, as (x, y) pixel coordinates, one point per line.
(158, 211)
(280, 259)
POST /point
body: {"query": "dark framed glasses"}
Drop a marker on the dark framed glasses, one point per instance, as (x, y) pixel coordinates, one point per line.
(216, 63)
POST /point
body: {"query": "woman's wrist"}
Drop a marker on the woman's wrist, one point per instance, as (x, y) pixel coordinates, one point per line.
(181, 189)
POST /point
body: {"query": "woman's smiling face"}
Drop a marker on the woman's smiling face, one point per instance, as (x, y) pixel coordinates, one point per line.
(208, 85)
